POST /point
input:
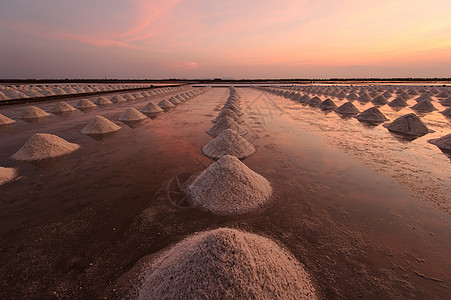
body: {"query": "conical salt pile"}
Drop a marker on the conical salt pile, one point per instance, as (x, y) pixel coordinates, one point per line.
(7, 174)
(62, 107)
(398, 102)
(85, 104)
(443, 143)
(424, 106)
(152, 108)
(328, 104)
(223, 124)
(100, 125)
(229, 113)
(424, 96)
(236, 109)
(371, 115)
(379, 100)
(304, 99)
(103, 101)
(129, 97)
(229, 187)
(165, 104)
(43, 146)
(229, 142)
(132, 114)
(33, 112)
(175, 101)
(4, 120)
(117, 99)
(446, 102)
(446, 112)
(364, 97)
(409, 124)
(224, 264)
(347, 109)
(314, 102)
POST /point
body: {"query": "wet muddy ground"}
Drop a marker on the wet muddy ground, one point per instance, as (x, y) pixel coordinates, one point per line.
(354, 210)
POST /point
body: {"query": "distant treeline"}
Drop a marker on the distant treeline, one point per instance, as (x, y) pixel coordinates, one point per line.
(217, 80)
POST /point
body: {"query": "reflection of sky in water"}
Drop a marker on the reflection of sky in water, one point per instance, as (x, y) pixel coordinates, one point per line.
(421, 167)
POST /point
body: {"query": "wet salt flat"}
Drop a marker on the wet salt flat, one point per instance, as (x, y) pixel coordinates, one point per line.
(365, 211)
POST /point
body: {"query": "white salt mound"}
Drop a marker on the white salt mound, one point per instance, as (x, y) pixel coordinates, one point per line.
(33, 112)
(443, 143)
(132, 114)
(4, 120)
(409, 124)
(223, 124)
(100, 125)
(165, 104)
(152, 108)
(62, 107)
(117, 99)
(347, 109)
(424, 106)
(229, 113)
(103, 101)
(226, 264)
(446, 112)
(328, 104)
(85, 103)
(43, 146)
(229, 142)
(371, 115)
(7, 174)
(398, 102)
(229, 187)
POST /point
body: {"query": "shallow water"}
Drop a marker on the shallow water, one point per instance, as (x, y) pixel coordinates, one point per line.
(72, 226)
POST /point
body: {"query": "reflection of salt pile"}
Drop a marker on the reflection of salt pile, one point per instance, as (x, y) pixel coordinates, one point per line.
(103, 101)
(229, 113)
(223, 124)
(409, 124)
(33, 112)
(225, 264)
(85, 104)
(229, 142)
(328, 104)
(43, 146)
(347, 109)
(165, 104)
(371, 115)
(132, 114)
(443, 143)
(152, 108)
(7, 174)
(229, 187)
(424, 106)
(62, 107)
(100, 125)
(4, 120)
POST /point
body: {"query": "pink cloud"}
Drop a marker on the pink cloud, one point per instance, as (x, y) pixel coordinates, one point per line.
(184, 66)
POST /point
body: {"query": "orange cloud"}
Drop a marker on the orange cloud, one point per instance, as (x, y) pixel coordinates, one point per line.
(184, 66)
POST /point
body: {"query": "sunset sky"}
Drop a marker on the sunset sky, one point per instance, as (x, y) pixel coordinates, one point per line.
(229, 39)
